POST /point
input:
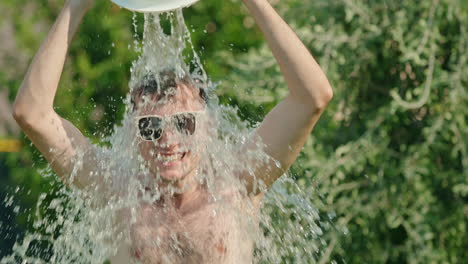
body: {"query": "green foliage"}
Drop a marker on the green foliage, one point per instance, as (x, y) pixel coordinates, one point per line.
(390, 153)
(389, 157)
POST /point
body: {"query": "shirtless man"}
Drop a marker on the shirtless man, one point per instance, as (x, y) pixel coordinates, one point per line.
(284, 132)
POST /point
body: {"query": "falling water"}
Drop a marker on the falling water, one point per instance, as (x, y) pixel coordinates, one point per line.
(124, 215)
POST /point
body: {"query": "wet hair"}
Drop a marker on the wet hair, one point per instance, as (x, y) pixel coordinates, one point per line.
(165, 87)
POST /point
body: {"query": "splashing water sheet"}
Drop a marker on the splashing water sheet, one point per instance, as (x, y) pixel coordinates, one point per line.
(181, 201)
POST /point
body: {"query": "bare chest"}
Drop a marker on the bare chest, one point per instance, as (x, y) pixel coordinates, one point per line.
(208, 234)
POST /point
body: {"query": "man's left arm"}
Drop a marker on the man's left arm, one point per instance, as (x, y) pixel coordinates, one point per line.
(286, 128)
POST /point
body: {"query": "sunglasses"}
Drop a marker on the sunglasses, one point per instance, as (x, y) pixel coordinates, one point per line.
(151, 127)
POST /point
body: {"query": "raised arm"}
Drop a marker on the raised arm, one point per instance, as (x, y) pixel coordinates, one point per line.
(57, 139)
(287, 127)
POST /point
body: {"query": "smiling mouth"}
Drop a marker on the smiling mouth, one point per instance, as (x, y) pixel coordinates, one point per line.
(170, 158)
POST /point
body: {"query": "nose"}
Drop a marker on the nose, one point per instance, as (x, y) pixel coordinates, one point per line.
(168, 137)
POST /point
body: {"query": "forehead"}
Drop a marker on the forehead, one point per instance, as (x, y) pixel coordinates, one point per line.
(183, 98)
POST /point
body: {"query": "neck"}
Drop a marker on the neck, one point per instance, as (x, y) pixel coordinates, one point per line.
(181, 192)
(180, 200)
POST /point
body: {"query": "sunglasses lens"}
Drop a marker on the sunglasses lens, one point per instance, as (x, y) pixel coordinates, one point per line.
(150, 128)
(185, 123)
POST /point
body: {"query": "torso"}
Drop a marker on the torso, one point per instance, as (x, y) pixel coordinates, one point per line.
(206, 232)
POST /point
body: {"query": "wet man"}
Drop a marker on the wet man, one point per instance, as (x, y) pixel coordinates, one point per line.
(202, 239)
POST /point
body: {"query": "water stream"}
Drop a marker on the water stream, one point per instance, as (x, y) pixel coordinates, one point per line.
(128, 214)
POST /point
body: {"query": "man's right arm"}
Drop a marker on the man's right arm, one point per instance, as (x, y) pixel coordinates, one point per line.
(56, 138)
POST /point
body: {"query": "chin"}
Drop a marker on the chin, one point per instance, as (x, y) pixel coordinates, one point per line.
(174, 170)
(171, 175)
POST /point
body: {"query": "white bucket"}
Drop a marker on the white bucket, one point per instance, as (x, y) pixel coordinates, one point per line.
(153, 5)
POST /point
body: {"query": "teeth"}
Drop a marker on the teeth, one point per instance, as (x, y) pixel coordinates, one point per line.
(169, 158)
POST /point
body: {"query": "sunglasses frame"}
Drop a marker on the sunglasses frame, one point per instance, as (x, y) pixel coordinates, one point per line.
(165, 121)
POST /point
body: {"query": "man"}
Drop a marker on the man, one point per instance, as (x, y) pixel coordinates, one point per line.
(185, 232)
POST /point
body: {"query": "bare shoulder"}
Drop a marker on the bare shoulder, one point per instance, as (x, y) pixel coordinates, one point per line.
(69, 153)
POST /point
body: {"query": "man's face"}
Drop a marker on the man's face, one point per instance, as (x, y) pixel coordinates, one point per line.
(175, 155)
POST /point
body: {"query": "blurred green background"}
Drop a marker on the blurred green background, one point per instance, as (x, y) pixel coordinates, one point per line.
(389, 157)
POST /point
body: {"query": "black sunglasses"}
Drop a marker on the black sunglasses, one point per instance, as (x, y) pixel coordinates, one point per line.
(150, 127)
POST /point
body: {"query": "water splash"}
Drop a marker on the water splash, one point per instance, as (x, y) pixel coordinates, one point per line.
(127, 212)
